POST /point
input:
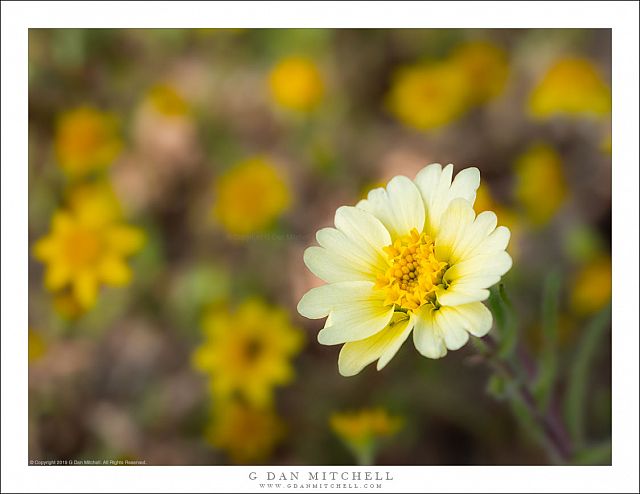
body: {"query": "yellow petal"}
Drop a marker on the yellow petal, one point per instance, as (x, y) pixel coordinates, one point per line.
(44, 249)
(114, 271)
(85, 289)
(56, 276)
(125, 239)
(62, 222)
(356, 355)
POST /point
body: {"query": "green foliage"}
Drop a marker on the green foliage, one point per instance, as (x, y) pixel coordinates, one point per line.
(599, 454)
(575, 403)
(548, 369)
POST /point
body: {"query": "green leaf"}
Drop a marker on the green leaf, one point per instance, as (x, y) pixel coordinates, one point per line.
(575, 401)
(548, 368)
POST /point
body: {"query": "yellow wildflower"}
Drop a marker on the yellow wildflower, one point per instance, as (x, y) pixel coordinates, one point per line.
(247, 352)
(296, 84)
(591, 287)
(86, 140)
(411, 258)
(166, 100)
(428, 96)
(250, 196)
(485, 66)
(572, 86)
(540, 184)
(37, 345)
(361, 430)
(247, 434)
(84, 250)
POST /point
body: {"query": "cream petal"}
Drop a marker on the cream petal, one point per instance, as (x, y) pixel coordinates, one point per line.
(399, 207)
(362, 228)
(361, 256)
(453, 331)
(353, 251)
(461, 294)
(332, 267)
(355, 322)
(496, 241)
(319, 302)
(456, 221)
(474, 318)
(427, 336)
(438, 191)
(393, 348)
(356, 355)
(481, 271)
(465, 184)
(473, 236)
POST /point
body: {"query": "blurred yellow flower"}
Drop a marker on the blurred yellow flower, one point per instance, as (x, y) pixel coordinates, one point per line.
(361, 430)
(591, 287)
(296, 84)
(486, 68)
(247, 352)
(37, 345)
(166, 100)
(572, 86)
(540, 186)
(83, 250)
(250, 196)
(86, 140)
(247, 434)
(428, 96)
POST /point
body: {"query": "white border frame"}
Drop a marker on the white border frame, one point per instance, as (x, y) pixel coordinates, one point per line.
(622, 17)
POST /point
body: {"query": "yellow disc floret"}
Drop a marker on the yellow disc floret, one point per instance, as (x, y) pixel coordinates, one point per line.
(414, 272)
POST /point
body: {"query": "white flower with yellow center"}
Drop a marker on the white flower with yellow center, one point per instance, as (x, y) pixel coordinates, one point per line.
(412, 256)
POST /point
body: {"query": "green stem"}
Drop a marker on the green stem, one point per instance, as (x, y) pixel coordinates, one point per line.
(555, 438)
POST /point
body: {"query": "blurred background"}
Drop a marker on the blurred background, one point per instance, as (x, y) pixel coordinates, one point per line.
(176, 177)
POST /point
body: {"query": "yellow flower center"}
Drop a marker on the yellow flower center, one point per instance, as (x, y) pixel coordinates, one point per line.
(414, 272)
(82, 247)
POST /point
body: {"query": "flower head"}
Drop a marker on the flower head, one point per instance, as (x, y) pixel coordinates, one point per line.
(412, 257)
(84, 249)
(296, 84)
(361, 430)
(247, 434)
(248, 351)
(250, 196)
(572, 86)
(86, 140)
(428, 96)
(485, 64)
